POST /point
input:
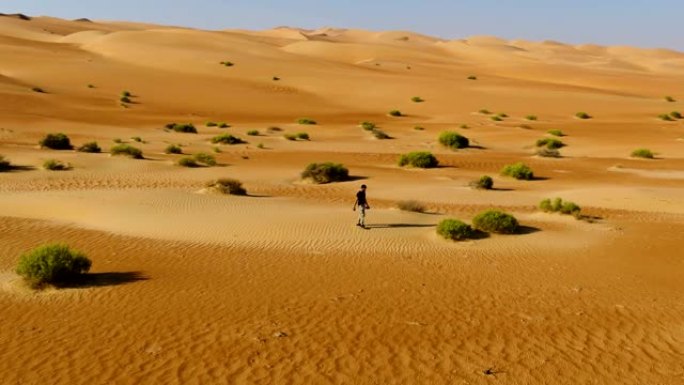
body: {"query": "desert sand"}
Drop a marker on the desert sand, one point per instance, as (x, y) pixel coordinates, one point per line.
(280, 287)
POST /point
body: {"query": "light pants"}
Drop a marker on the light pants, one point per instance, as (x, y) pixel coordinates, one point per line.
(362, 215)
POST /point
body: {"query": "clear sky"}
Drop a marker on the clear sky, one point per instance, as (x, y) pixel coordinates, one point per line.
(646, 23)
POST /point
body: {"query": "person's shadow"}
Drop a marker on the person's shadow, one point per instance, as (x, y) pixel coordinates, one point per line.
(398, 225)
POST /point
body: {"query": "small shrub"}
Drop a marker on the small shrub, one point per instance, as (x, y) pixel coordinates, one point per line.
(290, 136)
(302, 136)
(126, 150)
(559, 206)
(211, 124)
(550, 143)
(417, 99)
(187, 161)
(227, 139)
(117, 141)
(502, 115)
(91, 147)
(496, 118)
(485, 111)
(531, 117)
(227, 186)
(643, 153)
(91, 86)
(484, 183)
(223, 125)
(412, 206)
(126, 94)
(5, 164)
(274, 129)
(583, 115)
(525, 126)
(464, 126)
(227, 63)
(38, 90)
(187, 128)
(205, 159)
(306, 121)
(548, 153)
(453, 140)
(396, 113)
(676, 115)
(368, 126)
(136, 139)
(558, 133)
(379, 134)
(56, 142)
(670, 99)
(55, 165)
(125, 100)
(253, 132)
(496, 222)
(275, 78)
(472, 77)
(455, 230)
(54, 264)
(666, 117)
(419, 128)
(217, 150)
(518, 171)
(261, 146)
(419, 159)
(326, 172)
(173, 149)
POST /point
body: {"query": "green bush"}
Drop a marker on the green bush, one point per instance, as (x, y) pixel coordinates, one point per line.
(56, 142)
(455, 230)
(306, 121)
(126, 150)
(453, 140)
(302, 136)
(227, 63)
(417, 99)
(670, 99)
(227, 186)
(55, 165)
(137, 139)
(557, 205)
(496, 118)
(125, 99)
(583, 115)
(485, 111)
(326, 172)
(173, 149)
(211, 124)
(379, 134)
(396, 113)
(223, 125)
(290, 136)
(126, 94)
(412, 206)
(261, 146)
(502, 115)
(5, 164)
(643, 153)
(472, 77)
(205, 159)
(464, 126)
(187, 161)
(54, 264)
(548, 153)
(558, 133)
(666, 117)
(368, 126)
(484, 183)
(91, 147)
(676, 115)
(253, 132)
(550, 143)
(518, 171)
(274, 129)
(117, 141)
(420, 159)
(419, 128)
(187, 128)
(227, 139)
(531, 117)
(495, 221)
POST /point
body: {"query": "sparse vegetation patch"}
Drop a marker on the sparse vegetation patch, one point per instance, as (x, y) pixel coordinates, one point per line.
(91, 147)
(643, 153)
(126, 150)
(496, 221)
(455, 230)
(327, 172)
(227, 139)
(419, 159)
(557, 205)
(583, 115)
(558, 133)
(173, 149)
(227, 186)
(453, 140)
(56, 142)
(518, 171)
(550, 143)
(306, 121)
(484, 183)
(412, 206)
(396, 113)
(417, 99)
(187, 128)
(55, 165)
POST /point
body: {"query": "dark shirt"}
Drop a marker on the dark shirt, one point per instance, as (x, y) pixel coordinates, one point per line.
(361, 198)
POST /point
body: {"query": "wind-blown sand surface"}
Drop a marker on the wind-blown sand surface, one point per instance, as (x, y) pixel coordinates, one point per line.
(280, 287)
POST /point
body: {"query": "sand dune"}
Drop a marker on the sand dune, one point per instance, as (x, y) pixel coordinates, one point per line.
(279, 286)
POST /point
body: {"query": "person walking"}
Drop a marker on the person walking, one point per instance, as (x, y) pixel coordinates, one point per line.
(362, 204)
